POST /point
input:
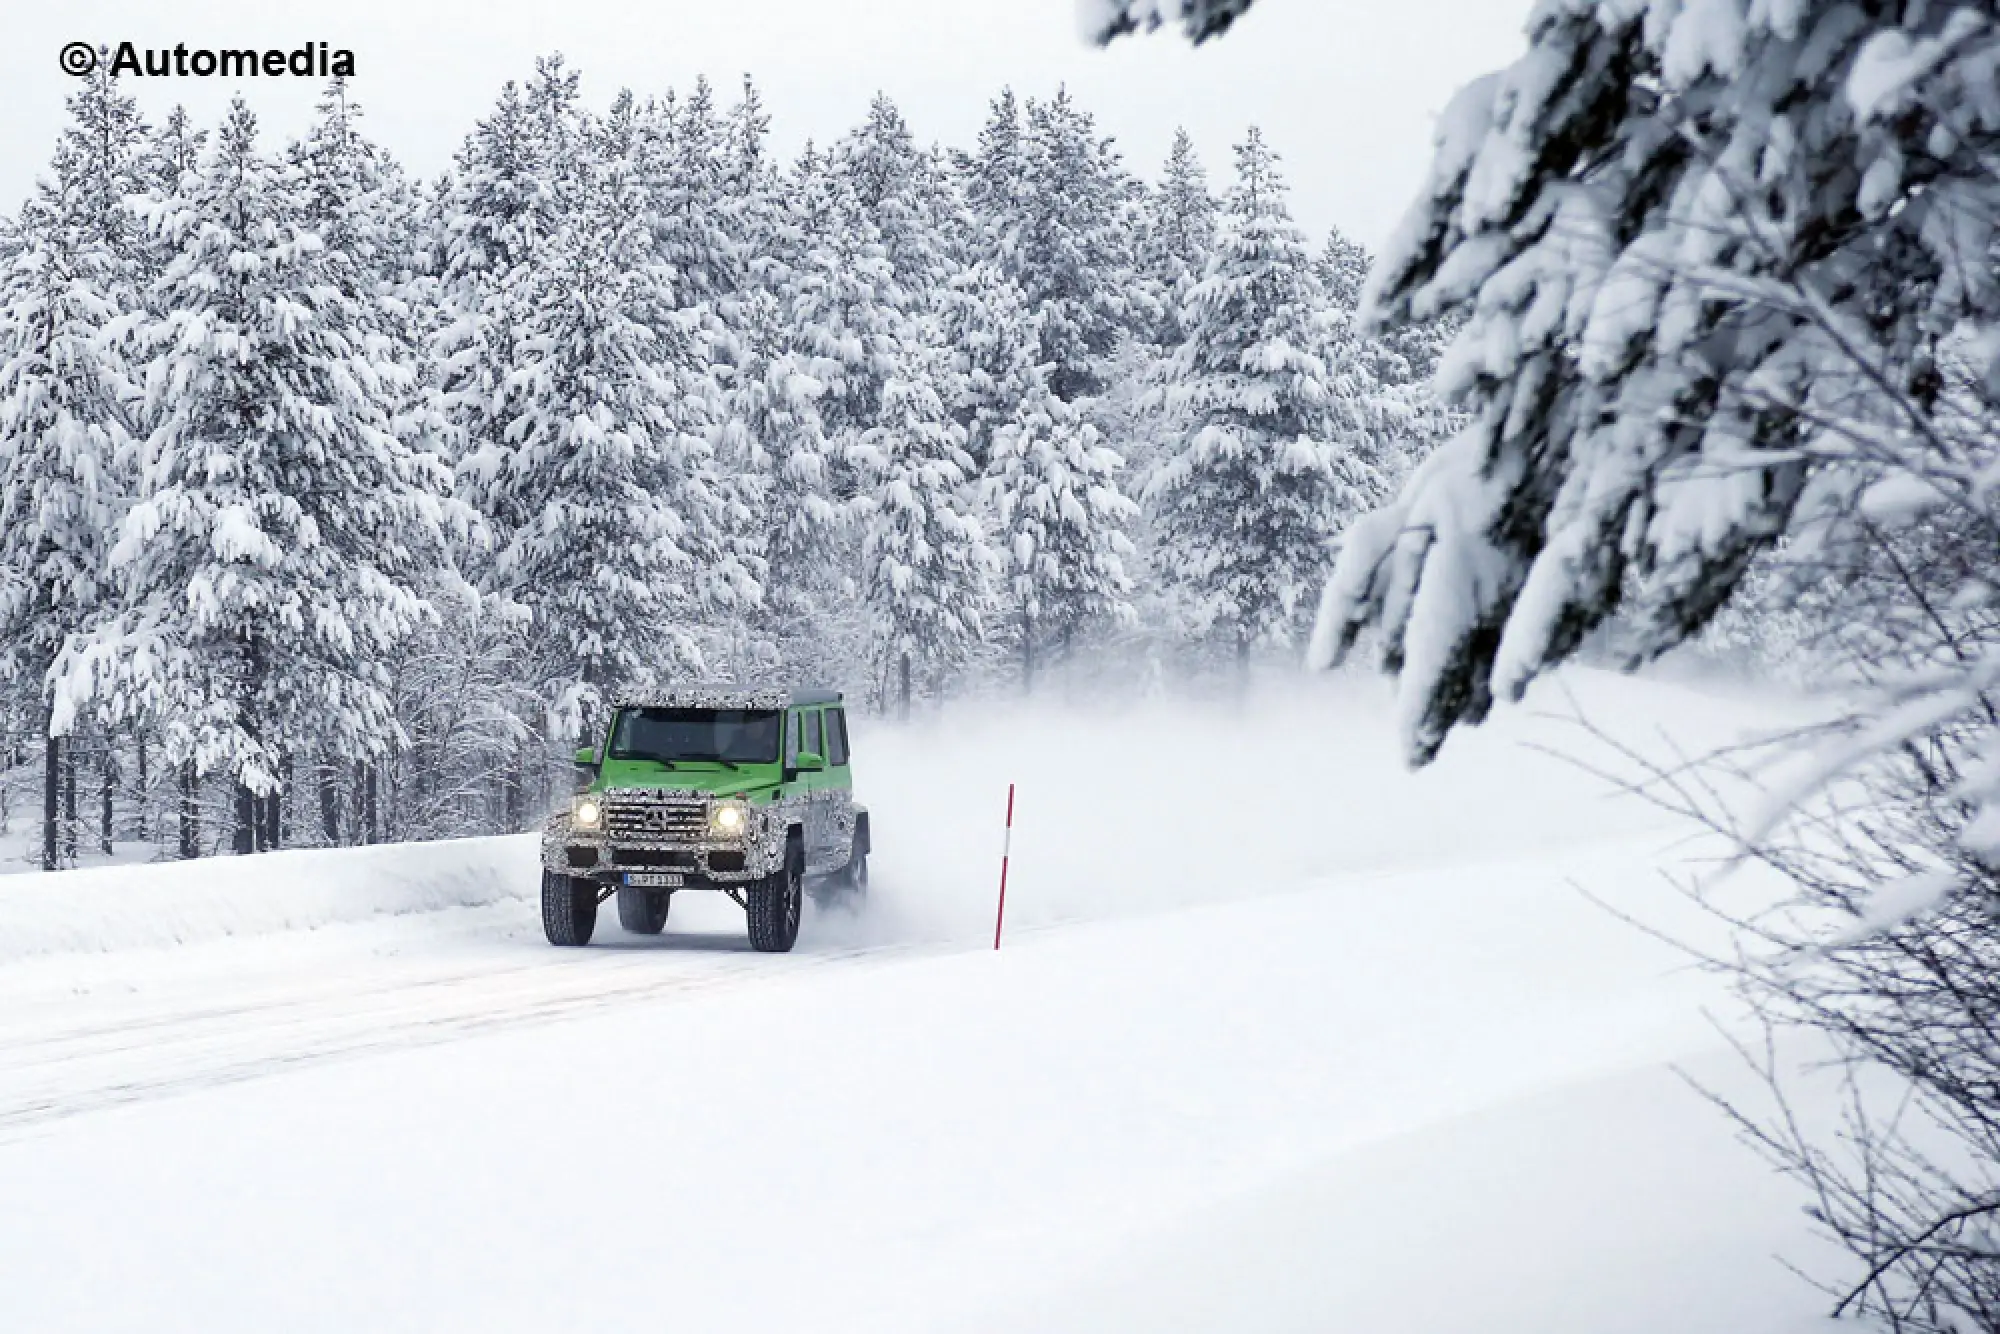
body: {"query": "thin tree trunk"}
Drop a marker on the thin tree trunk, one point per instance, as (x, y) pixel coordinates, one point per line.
(246, 819)
(359, 834)
(144, 795)
(1027, 653)
(69, 803)
(51, 790)
(272, 835)
(903, 668)
(516, 789)
(190, 812)
(110, 778)
(329, 806)
(369, 810)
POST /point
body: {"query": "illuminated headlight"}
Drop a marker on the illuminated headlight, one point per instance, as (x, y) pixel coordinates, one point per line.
(587, 813)
(729, 819)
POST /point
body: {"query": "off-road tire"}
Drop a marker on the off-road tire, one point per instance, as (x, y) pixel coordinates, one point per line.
(569, 909)
(776, 903)
(850, 882)
(643, 912)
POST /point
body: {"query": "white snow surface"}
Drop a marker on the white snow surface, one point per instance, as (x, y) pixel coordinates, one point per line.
(1282, 1037)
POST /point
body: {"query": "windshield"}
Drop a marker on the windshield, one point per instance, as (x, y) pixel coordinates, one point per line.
(729, 736)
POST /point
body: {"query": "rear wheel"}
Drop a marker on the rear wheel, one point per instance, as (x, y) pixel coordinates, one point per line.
(569, 909)
(643, 912)
(853, 877)
(776, 902)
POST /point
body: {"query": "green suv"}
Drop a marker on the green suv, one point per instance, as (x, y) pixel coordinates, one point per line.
(718, 788)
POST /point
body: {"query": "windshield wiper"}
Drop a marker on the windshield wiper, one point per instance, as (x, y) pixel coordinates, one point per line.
(661, 760)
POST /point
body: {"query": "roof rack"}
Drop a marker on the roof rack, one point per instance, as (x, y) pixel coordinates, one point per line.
(720, 695)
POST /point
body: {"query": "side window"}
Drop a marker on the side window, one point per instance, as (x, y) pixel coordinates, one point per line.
(811, 741)
(836, 737)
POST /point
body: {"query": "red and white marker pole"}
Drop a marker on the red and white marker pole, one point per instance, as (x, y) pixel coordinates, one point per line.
(1006, 848)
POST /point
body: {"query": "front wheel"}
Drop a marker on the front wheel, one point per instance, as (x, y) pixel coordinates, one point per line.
(569, 909)
(776, 902)
(643, 912)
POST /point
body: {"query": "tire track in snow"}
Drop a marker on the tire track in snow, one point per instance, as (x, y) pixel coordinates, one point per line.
(50, 1075)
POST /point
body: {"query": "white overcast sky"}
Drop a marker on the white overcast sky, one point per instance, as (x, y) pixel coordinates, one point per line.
(1347, 90)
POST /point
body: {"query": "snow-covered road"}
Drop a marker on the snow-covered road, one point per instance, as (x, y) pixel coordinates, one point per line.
(1295, 1041)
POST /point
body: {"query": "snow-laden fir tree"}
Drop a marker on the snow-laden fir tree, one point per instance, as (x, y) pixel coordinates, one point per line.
(172, 151)
(748, 169)
(1665, 302)
(601, 484)
(1071, 248)
(65, 405)
(1179, 231)
(926, 568)
(1403, 359)
(101, 162)
(996, 177)
(839, 293)
(1270, 466)
(770, 435)
(1049, 479)
(511, 192)
(909, 198)
(1060, 521)
(371, 224)
(269, 564)
(991, 343)
(683, 157)
(1342, 270)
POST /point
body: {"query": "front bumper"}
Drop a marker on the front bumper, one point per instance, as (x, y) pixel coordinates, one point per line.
(711, 863)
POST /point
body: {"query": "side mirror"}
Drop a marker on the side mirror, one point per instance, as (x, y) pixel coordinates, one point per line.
(586, 758)
(810, 760)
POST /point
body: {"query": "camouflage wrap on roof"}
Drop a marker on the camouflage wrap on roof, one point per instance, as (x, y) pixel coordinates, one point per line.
(711, 697)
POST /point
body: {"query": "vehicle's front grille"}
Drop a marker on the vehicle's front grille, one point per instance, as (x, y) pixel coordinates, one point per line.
(651, 857)
(656, 821)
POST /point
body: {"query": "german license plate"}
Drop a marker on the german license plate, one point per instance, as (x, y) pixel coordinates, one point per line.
(654, 879)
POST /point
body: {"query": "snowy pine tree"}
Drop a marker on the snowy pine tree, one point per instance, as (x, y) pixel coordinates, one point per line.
(839, 294)
(1061, 523)
(908, 198)
(267, 567)
(1180, 230)
(1342, 270)
(1071, 248)
(511, 193)
(990, 370)
(65, 405)
(683, 157)
(1269, 468)
(601, 484)
(926, 567)
(996, 178)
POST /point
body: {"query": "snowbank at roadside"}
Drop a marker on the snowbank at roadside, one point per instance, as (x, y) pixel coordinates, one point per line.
(1123, 809)
(112, 908)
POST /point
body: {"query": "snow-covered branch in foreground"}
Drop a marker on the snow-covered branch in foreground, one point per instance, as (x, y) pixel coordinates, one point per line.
(1103, 20)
